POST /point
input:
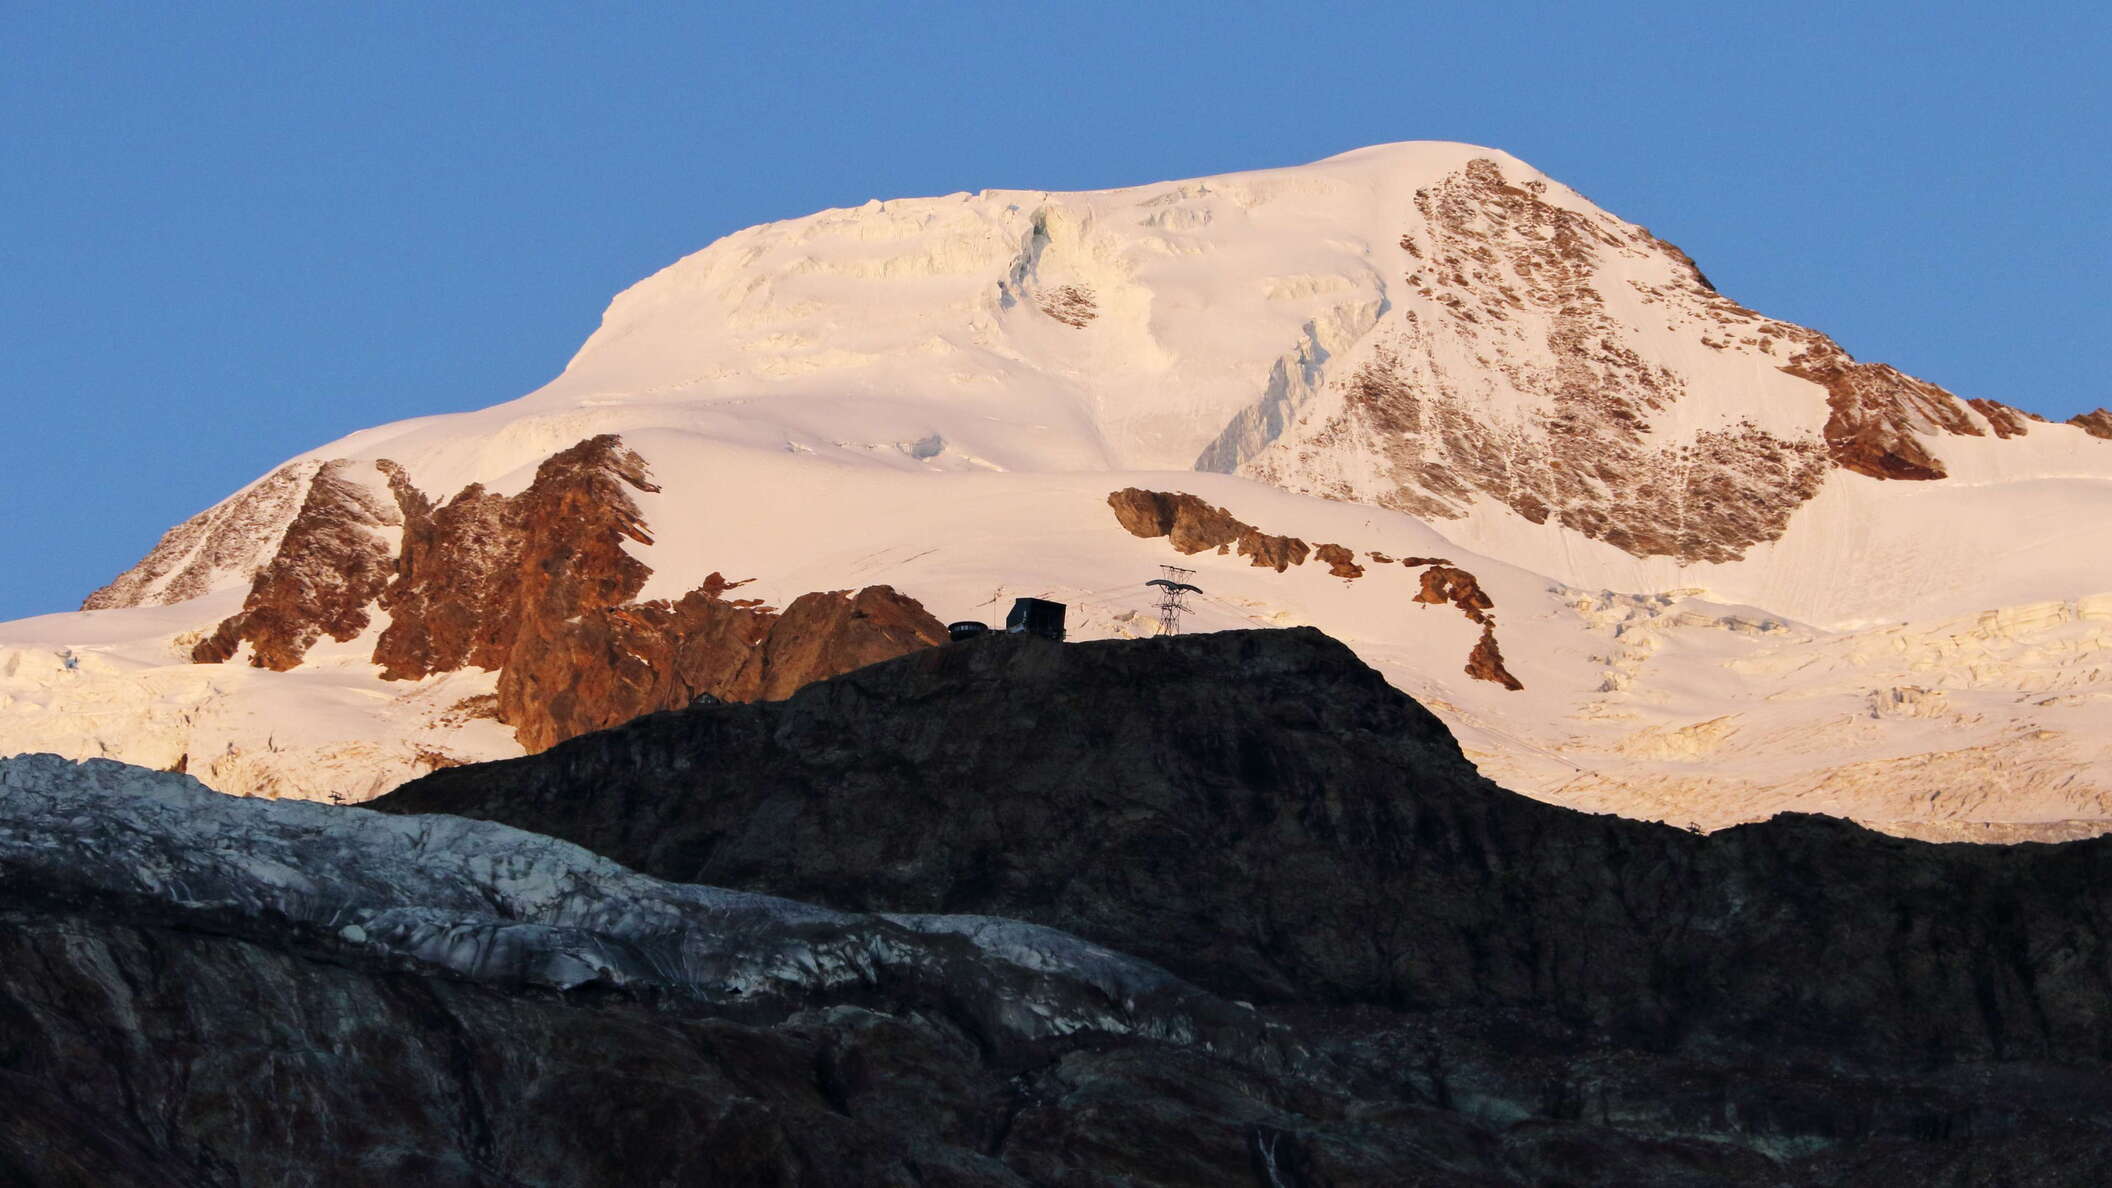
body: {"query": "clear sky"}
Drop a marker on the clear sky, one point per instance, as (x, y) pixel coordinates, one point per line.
(231, 232)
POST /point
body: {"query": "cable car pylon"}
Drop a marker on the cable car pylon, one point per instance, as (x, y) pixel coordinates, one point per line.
(1173, 593)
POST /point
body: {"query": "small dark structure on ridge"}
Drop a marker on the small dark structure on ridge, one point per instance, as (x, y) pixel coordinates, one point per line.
(1034, 616)
(1037, 616)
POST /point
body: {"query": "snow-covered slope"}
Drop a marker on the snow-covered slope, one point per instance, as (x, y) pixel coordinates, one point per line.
(1734, 569)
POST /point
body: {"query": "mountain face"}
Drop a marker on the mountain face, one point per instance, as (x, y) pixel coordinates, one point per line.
(1262, 814)
(1737, 570)
(1267, 926)
(206, 990)
(1580, 323)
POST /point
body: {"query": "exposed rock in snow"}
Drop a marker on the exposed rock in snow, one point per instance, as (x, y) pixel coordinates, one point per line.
(1485, 662)
(610, 665)
(1194, 526)
(1880, 417)
(332, 563)
(1340, 561)
(537, 587)
(1443, 583)
(479, 570)
(2096, 423)
(226, 543)
(2004, 420)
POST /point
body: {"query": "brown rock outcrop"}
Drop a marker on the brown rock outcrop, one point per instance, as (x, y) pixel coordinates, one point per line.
(2097, 423)
(1190, 523)
(1272, 552)
(1485, 662)
(1590, 465)
(2007, 422)
(612, 664)
(1880, 414)
(477, 569)
(1339, 561)
(825, 633)
(452, 599)
(1194, 526)
(1443, 584)
(1534, 291)
(331, 563)
(538, 587)
(1519, 278)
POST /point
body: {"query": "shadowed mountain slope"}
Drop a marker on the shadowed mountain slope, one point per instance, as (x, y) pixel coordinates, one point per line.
(1260, 813)
(1304, 944)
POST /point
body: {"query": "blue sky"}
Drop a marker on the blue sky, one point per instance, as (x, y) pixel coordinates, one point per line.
(229, 233)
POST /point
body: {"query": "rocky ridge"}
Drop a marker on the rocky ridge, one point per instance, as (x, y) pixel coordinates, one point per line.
(1524, 290)
(1260, 815)
(230, 540)
(332, 565)
(2097, 423)
(1376, 967)
(539, 587)
(610, 665)
(1271, 820)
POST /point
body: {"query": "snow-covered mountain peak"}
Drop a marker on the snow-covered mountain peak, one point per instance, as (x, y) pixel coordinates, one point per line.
(1116, 328)
(1429, 326)
(1422, 354)
(1433, 328)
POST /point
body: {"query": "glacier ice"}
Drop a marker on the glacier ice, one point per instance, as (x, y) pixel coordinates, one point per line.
(501, 905)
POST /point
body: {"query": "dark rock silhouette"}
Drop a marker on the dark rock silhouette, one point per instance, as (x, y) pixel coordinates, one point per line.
(1259, 812)
(1387, 970)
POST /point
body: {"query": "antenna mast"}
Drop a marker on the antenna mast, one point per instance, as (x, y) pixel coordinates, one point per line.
(1173, 593)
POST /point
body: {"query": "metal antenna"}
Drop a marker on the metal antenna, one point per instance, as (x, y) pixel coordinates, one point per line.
(1173, 593)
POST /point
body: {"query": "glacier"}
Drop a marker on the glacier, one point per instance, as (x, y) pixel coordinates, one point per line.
(500, 905)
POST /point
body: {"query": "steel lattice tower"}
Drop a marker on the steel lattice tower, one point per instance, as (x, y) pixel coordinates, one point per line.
(1173, 597)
